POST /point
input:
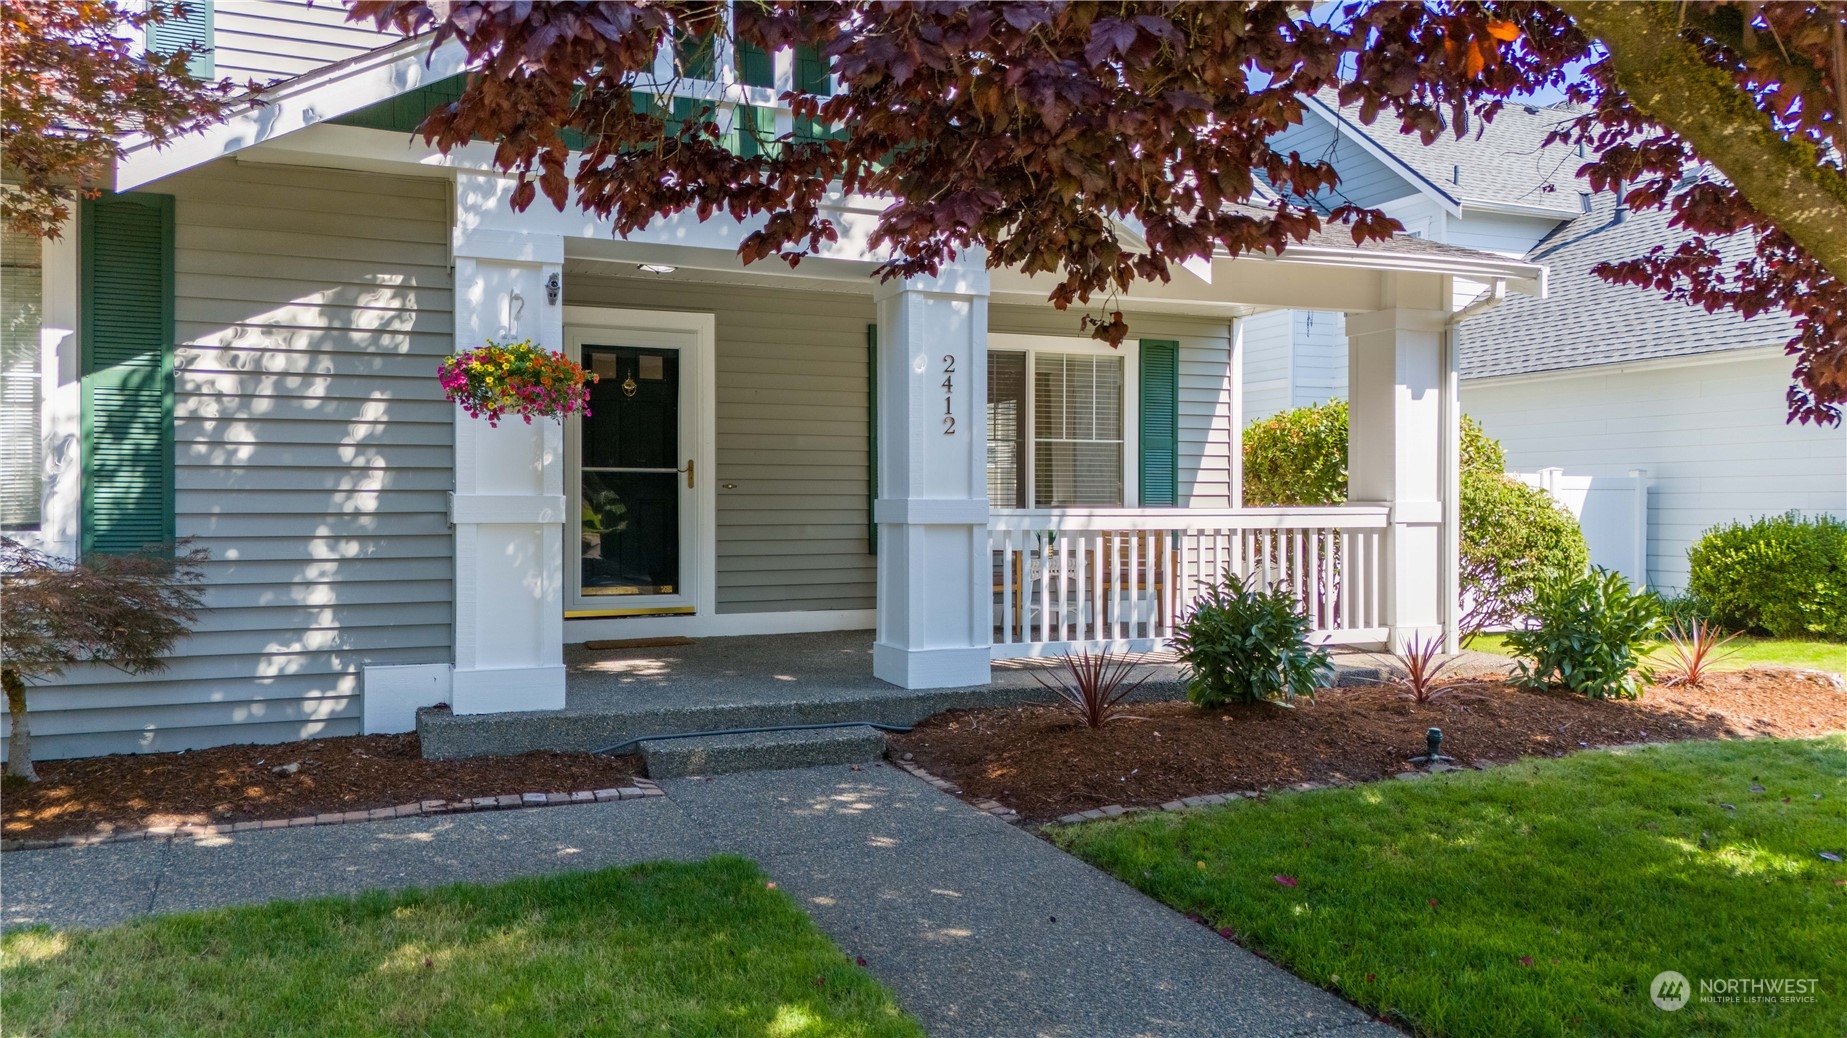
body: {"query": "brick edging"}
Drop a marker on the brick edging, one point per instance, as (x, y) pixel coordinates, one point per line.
(993, 807)
(640, 789)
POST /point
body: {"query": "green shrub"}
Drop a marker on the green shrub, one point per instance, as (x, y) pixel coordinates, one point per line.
(1784, 575)
(1299, 457)
(1686, 610)
(1242, 645)
(1591, 631)
(1512, 535)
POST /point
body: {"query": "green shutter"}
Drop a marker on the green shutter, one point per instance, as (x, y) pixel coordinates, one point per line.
(811, 78)
(696, 56)
(1160, 423)
(192, 27)
(756, 67)
(872, 439)
(127, 368)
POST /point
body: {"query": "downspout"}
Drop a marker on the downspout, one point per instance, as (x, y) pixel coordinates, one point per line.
(1450, 463)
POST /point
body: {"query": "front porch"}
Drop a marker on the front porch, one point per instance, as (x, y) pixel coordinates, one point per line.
(940, 459)
(616, 696)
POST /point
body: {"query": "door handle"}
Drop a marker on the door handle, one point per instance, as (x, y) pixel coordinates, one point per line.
(689, 473)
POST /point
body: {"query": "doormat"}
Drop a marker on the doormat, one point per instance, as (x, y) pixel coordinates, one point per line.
(637, 643)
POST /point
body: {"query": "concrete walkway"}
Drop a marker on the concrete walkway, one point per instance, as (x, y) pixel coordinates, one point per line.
(981, 929)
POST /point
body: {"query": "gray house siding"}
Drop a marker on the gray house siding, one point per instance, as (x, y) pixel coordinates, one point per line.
(1293, 358)
(266, 40)
(312, 453)
(792, 437)
(1364, 180)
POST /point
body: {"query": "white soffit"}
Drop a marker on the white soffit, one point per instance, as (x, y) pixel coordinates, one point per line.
(295, 104)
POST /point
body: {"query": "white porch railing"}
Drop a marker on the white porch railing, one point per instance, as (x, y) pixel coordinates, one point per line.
(1120, 579)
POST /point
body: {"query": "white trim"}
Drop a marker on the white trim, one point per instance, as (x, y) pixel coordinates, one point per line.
(295, 104)
(1523, 277)
(390, 696)
(60, 397)
(1130, 354)
(721, 625)
(696, 336)
(1738, 355)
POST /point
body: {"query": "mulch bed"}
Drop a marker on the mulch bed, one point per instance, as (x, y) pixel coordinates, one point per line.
(240, 783)
(1042, 762)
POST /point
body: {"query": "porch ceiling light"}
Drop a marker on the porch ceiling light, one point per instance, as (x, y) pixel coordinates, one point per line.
(659, 268)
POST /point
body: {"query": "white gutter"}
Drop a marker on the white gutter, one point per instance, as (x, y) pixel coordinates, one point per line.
(1521, 276)
(1449, 463)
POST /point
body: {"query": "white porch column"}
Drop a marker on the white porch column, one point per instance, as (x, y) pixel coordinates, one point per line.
(935, 613)
(1397, 380)
(508, 506)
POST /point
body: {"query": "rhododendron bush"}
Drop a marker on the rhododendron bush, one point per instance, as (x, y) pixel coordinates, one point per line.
(518, 378)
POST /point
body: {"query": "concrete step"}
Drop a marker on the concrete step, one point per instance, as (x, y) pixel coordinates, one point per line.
(761, 751)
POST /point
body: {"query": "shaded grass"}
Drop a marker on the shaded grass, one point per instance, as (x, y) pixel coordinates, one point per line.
(1740, 652)
(1539, 898)
(657, 949)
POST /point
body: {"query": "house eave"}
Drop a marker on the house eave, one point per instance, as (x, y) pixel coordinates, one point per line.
(1479, 205)
(1521, 276)
(1708, 358)
(296, 104)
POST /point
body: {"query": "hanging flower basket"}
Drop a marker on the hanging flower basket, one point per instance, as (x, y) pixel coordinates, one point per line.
(516, 378)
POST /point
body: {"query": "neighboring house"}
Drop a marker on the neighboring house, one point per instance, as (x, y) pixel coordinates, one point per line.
(1601, 380)
(1598, 380)
(1494, 190)
(240, 347)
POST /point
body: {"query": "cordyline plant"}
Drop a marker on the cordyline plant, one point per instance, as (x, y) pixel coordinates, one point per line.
(1422, 669)
(1104, 143)
(75, 85)
(1094, 685)
(123, 610)
(1695, 648)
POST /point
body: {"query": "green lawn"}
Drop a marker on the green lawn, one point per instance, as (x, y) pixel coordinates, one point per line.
(1539, 898)
(659, 949)
(1745, 652)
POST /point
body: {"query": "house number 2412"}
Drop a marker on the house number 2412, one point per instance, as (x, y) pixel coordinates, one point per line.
(949, 396)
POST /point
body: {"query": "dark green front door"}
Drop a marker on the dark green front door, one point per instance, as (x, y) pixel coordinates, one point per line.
(632, 465)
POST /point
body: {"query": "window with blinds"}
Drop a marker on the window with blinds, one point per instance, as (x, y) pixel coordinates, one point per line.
(1077, 430)
(21, 450)
(1006, 429)
(1070, 452)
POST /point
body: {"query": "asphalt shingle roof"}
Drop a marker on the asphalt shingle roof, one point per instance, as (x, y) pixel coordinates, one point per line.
(1588, 321)
(1499, 162)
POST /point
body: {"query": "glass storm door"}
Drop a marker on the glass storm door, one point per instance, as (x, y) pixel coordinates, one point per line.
(635, 499)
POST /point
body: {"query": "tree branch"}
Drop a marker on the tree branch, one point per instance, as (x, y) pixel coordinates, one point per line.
(1668, 81)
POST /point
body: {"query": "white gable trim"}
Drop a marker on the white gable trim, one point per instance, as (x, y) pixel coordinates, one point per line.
(295, 104)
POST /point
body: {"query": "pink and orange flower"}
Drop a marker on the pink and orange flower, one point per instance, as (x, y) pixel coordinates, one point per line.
(518, 378)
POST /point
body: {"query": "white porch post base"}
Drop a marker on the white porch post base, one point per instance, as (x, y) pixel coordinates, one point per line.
(492, 690)
(935, 617)
(1396, 381)
(508, 508)
(931, 668)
